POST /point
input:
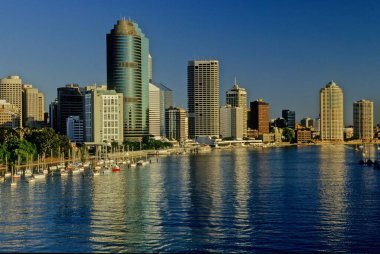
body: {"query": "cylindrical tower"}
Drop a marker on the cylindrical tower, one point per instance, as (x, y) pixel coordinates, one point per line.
(127, 73)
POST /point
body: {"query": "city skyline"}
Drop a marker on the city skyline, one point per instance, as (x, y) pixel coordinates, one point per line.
(334, 42)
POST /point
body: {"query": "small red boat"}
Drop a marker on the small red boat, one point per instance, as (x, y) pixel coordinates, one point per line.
(115, 168)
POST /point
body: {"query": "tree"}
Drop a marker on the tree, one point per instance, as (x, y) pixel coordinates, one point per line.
(288, 134)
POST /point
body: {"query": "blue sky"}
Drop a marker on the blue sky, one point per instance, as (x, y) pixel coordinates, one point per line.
(282, 51)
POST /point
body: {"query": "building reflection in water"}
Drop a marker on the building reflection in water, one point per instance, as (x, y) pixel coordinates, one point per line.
(332, 192)
(205, 198)
(241, 166)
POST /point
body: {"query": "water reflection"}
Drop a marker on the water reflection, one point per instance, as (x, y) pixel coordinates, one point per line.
(290, 199)
(332, 193)
(204, 199)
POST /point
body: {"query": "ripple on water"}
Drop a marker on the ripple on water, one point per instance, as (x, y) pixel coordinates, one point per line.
(227, 201)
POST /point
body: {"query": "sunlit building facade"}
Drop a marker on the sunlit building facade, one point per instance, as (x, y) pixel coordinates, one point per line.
(203, 97)
(103, 111)
(331, 112)
(237, 97)
(11, 91)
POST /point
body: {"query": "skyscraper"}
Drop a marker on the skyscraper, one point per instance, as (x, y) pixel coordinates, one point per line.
(154, 110)
(70, 103)
(237, 97)
(11, 91)
(331, 112)
(290, 118)
(203, 97)
(363, 119)
(128, 73)
(260, 116)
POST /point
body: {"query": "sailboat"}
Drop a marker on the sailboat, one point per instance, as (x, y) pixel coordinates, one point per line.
(39, 174)
(7, 174)
(28, 171)
(16, 174)
(13, 183)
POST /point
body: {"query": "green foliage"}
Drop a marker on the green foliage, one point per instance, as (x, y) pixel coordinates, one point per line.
(19, 150)
(289, 135)
(4, 153)
(6, 134)
(147, 143)
(47, 141)
(22, 145)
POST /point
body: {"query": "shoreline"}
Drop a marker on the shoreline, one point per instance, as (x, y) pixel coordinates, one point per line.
(192, 150)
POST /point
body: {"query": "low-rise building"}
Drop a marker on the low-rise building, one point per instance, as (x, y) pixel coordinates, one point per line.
(303, 136)
(271, 137)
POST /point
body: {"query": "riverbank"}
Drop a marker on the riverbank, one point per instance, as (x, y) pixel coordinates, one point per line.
(183, 150)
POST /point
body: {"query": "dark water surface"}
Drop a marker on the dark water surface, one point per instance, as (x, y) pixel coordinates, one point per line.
(245, 200)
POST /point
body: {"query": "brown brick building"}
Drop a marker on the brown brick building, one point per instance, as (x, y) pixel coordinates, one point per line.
(259, 118)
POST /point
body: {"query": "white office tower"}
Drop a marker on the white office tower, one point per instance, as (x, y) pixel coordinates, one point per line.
(103, 112)
(154, 110)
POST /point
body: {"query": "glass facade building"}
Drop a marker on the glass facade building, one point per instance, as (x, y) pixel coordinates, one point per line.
(290, 118)
(127, 73)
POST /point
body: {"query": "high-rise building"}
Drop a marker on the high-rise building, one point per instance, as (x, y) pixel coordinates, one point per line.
(237, 97)
(290, 118)
(160, 98)
(363, 119)
(176, 124)
(128, 73)
(9, 115)
(203, 98)
(165, 100)
(103, 111)
(11, 91)
(231, 122)
(32, 106)
(70, 103)
(74, 128)
(331, 112)
(154, 110)
(260, 116)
